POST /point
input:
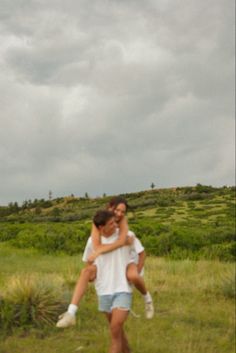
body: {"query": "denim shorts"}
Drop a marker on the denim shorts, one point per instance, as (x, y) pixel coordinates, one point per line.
(122, 300)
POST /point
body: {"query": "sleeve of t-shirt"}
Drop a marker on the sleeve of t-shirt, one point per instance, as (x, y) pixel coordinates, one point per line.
(137, 245)
(88, 250)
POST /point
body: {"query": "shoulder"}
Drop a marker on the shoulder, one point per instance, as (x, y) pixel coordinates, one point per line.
(89, 241)
(131, 234)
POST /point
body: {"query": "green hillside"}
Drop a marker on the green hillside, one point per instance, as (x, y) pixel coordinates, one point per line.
(188, 222)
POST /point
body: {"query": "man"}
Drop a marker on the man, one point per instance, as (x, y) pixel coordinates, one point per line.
(113, 289)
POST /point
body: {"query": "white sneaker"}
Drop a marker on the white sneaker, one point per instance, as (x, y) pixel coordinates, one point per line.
(65, 320)
(149, 310)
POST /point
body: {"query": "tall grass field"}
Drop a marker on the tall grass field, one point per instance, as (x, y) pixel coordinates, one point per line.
(194, 303)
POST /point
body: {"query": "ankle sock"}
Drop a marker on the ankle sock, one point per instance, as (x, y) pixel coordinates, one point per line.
(72, 309)
(147, 298)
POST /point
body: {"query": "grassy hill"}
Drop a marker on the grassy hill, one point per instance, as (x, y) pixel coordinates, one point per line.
(188, 222)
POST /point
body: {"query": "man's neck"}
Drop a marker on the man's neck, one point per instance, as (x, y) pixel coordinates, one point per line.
(106, 235)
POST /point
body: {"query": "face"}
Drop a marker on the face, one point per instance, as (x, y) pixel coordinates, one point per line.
(120, 212)
(109, 227)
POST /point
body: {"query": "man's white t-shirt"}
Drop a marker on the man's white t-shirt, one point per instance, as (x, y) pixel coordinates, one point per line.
(111, 267)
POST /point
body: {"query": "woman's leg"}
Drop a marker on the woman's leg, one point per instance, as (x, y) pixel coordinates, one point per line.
(134, 277)
(86, 275)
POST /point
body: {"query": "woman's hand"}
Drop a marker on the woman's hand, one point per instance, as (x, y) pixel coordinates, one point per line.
(93, 256)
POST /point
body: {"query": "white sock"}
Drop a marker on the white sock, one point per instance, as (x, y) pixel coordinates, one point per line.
(72, 309)
(147, 298)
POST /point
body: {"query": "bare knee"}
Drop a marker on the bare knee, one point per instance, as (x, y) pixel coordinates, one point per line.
(132, 274)
(89, 272)
(116, 329)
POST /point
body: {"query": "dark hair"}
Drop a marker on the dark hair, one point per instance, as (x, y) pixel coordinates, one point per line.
(102, 217)
(117, 200)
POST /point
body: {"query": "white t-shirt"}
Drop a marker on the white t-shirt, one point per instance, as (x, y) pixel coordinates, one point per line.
(111, 267)
(136, 248)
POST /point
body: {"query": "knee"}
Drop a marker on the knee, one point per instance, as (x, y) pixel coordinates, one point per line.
(115, 329)
(87, 271)
(132, 277)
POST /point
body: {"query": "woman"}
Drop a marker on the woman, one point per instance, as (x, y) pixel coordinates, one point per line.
(119, 206)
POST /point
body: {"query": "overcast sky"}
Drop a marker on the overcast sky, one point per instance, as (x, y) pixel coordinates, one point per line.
(108, 96)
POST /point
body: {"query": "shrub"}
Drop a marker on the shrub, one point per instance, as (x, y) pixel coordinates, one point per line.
(29, 301)
(8, 232)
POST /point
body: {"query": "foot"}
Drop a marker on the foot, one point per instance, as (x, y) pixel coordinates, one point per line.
(149, 310)
(66, 320)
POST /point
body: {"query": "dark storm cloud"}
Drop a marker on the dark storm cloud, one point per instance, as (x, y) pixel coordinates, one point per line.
(109, 96)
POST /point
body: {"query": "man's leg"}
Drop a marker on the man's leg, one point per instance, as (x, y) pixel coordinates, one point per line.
(134, 277)
(119, 342)
(68, 318)
(124, 344)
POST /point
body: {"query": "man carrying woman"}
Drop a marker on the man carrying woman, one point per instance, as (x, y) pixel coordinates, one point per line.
(134, 267)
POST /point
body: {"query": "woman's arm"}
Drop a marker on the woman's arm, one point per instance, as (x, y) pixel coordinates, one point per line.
(104, 248)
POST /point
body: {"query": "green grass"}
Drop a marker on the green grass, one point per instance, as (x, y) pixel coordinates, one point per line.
(194, 307)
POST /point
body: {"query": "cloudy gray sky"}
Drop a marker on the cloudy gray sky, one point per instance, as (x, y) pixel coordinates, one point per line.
(107, 96)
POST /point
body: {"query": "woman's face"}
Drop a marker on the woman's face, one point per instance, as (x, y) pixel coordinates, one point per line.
(119, 211)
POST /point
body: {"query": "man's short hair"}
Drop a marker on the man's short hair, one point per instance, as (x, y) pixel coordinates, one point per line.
(102, 217)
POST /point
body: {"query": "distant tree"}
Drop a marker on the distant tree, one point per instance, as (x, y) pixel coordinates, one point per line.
(204, 188)
(38, 210)
(86, 195)
(25, 204)
(50, 194)
(152, 186)
(72, 195)
(13, 207)
(16, 207)
(104, 195)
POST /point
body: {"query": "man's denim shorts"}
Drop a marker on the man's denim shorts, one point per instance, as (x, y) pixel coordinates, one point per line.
(122, 300)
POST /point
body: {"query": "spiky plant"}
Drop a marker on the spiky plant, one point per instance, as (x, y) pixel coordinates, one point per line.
(34, 301)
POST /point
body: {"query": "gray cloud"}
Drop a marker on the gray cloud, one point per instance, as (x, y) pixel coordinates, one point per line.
(110, 96)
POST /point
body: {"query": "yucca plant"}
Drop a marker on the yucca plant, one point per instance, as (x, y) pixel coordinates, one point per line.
(31, 301)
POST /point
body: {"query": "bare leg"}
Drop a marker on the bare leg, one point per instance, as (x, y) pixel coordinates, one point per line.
(119, 343)
(134, 277)
(124, 344)
(87, 274)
